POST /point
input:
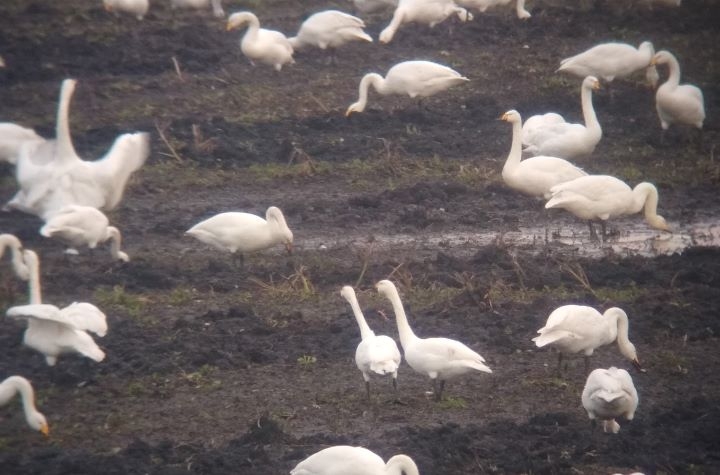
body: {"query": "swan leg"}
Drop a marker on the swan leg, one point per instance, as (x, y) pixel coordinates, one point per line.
(559, 367)
(587, 364)
(367, 389)
(593, 234)
(438, 394)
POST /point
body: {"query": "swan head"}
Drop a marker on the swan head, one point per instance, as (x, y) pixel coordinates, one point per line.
(238, 20)
(356, 107)
(511, 116)
(274, 215)
(658, 222)
(661, 57)
(38, 422)
(647, 46)
(386, 288)
(347, 292)
(591, 82)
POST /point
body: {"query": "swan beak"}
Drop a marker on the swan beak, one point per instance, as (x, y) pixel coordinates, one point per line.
(229, 27)
(596, 86)
(503, 117)
(638, 366)
(289, 248)
(45, 429)
(653, 62)
(348, 112)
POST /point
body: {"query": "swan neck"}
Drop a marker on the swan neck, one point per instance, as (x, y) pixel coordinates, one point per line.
(62, 124)
(406, 333)
(373, 79)
(35, 294)
(365, 331)
(15, 385)
(646, 195)
(591, 121)
(115, 237)
(673, 71)
(513, 158)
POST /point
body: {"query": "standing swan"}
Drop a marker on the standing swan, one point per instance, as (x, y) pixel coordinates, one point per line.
(84, 226)
(612, 60)
(51, 175)
(601, 197)
(216, 5)
(9, 240)
(610, 393)
(439, 358)
(534, 176)
(376, 353)
(483, 5)
(346, 460)
(53, 331)
(258, 44)
(17, 384)
(414, 78)
(563, 139)
(329, 29)
(578, 328)
(677, 103)
(244, 232)
(139, 8)
(428, 12)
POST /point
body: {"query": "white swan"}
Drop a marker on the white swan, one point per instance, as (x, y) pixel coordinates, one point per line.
(610, 393)
(438, 358)
(17, 384)
(84, 226)
(536, 175)
(244, 232)
(139, 8)
(376, 353)
(414, 78)
(32, 264)
(563, 139)
(53, 331)
(216, 6)
(578, 328)
(18, 262)
(372, 6)
(259, 44)
(612, 60)
(51, 175)
(346, 460)
(601, 197)
(677, 103)
(428, 12)
(329, 29)
(483, 5)
(12, 136)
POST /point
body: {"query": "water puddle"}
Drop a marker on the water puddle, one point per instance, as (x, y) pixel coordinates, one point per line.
(571, 239)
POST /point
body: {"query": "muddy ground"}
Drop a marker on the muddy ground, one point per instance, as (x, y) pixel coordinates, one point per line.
(215, 369)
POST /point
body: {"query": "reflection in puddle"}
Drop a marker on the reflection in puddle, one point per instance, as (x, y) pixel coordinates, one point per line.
(640, 241)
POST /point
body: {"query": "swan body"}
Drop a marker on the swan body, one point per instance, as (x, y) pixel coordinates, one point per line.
(18, 262)
(244, 232)
(259, 44)
(372, 6)
(534, 176)
(612, 60)
(610, 393)
(53, 331)
(414, 78)
(51, 175)
(601, 197)
(84, 226)
(346, 460)
(581, 329)
(375, 353)
(563, 139)
(483, 5)
(19, 385)
(427, 12)
(438, 358)
(677, 103)
(329, 29)
(139, 8)
(12, 136)
(216, 6)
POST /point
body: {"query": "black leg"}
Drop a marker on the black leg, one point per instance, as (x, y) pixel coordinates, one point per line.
(438, 395)
(367, 389)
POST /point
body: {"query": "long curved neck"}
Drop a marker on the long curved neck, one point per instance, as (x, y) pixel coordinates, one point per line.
(115, 237)
(520, 9)
(62, 126)
(33, 264)
(513, 158)
(645, 195)
(365, 331)
(374, 79)
(253, 27)
(622, 327)
(401, 464)
(18, 384)
(674, 72)
(8, 240)
(389, 32)
(406, 333)
(591, 121)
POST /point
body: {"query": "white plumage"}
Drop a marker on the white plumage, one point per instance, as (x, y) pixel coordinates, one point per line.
(427, 12)
(51, 175)
(414, 78)
(534, 176)
(259, 44)
(601, 197)
(550, 136)
(346, 460)
(139, 8)
(372, 6)
(12, 137)
(329, 29)
(582, 329)
(375, 353)
(438, 358)
(53, 331)
(483, 5)
(608, 394)
(19, 266)
(17, 384)
(84, 226)
(677, 103)
(216, 6)
(612, 60)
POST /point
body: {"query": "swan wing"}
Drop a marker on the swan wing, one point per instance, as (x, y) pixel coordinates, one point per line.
(12, 138)
(571, 322)
(37, 311)
(85, 316)
(81, 342)
(449, 352)
(536, 122)
(341, 459)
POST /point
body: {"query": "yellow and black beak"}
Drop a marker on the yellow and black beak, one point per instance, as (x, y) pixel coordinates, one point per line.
(45, 430)
(289, 248)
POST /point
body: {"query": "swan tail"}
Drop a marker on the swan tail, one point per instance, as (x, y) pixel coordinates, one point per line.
(557, 201)
(479, 366)
(609, 396)
(384, 367)
(548, 338)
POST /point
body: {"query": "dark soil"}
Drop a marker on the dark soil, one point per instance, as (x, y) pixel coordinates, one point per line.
(214, 369)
